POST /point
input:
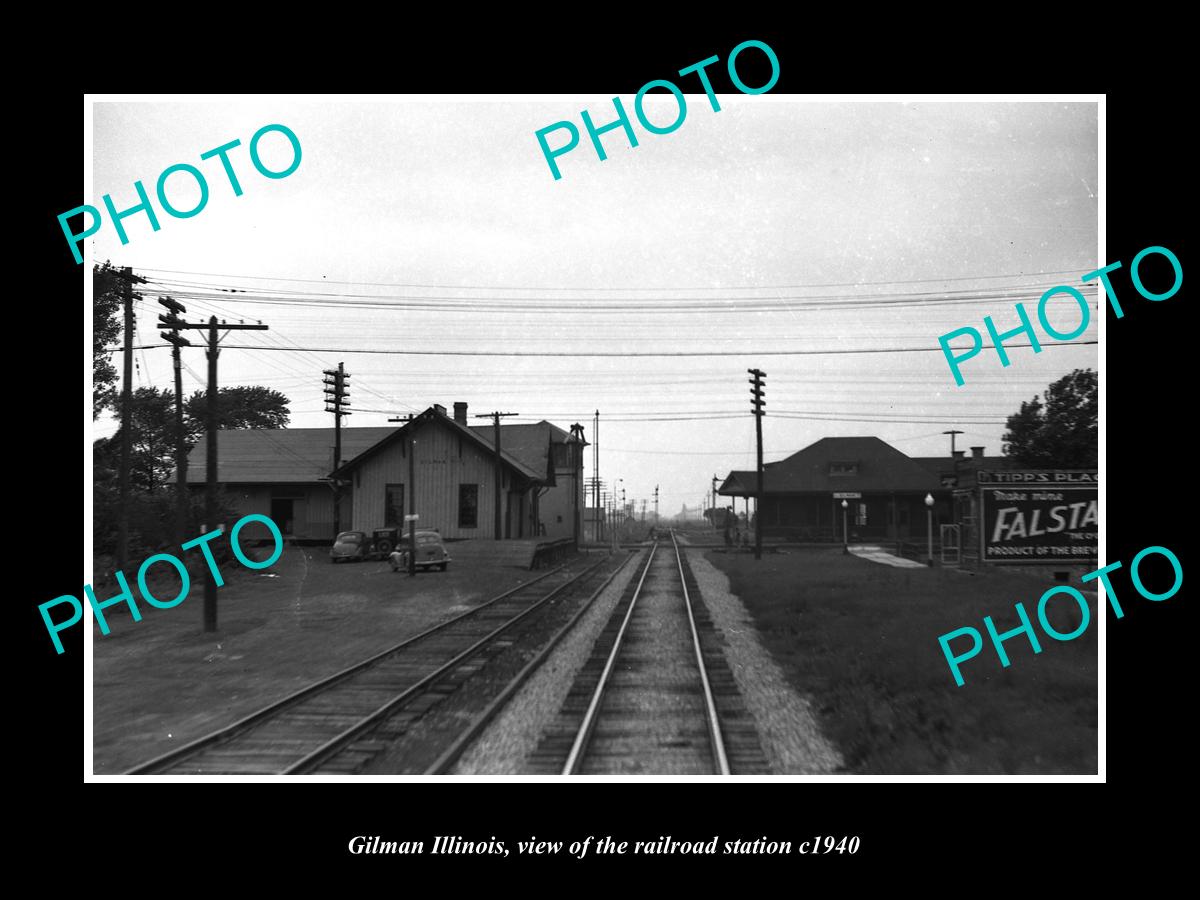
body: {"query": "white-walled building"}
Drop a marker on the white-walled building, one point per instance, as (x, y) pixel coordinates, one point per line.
(287, 474)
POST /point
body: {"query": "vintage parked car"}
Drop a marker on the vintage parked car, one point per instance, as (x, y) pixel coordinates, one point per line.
(383, 542)
(349, 545)
(430, 553)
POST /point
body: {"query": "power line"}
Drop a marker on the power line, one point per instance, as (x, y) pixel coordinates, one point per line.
(762, 287)
(832, 415)
(623, 379)
(660, 353)
(644, 306)
(284, 345)
(218, 293)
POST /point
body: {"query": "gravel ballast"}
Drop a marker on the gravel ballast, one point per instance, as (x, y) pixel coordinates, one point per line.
(505, 744)
(787, 726)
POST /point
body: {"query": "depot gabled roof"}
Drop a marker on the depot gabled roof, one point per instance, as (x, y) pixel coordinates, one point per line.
(739, 483)
(278, 455)
(861, 464)
(436, 417)
(530, 444)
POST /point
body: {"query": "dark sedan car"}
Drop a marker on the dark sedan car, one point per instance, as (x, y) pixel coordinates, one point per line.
(430, 552)
(349, 545)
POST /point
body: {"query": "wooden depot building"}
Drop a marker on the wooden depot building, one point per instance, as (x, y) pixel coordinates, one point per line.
(288, 474)
(885, 491)
(453, 474)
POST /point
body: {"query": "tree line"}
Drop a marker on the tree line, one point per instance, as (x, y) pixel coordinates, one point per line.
(1060, 432)
(153, 430)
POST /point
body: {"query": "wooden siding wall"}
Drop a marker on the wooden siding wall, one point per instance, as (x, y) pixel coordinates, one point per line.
(821, 514)
(443, 462)
(558, 501)
(312, 506)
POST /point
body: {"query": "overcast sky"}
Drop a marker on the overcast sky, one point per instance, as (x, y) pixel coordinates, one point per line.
(771, 226)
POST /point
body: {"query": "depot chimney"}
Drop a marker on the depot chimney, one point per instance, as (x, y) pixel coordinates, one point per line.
(977, 453)
(460, 413)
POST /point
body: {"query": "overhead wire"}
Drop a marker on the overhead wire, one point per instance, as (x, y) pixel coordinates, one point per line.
(674, 306)
(940, 278)
(281, 343)
(220, 300)
(659, 353)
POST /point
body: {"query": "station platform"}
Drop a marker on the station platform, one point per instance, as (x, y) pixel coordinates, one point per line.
(876, 554)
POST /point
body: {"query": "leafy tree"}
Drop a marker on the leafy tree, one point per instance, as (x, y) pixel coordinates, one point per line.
(152, 440)
(152, 412)
(1061, 432)
(151, 506)
(239, 407)
(107, 293)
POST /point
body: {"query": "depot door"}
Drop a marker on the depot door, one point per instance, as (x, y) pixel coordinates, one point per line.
(282, 513)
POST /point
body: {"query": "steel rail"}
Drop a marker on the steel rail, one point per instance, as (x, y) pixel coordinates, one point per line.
(336, 744)
(452, 753)
(575, 757)
(714, 723)
(233, 730)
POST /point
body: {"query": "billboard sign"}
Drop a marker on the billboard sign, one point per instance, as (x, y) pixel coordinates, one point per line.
(1039, 516)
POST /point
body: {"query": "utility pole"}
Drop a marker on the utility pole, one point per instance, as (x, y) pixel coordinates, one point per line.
(758, 404)
(952, 433)
(596, 473)
(171, 320)
(713, 506)
(126, 418)
(496, 417)
(411, 490)
(210, 487)
(412, 508)
(577, 445)
(336, 401)
(596, 486)
(953, 455)
(954, 469)
(656, 504)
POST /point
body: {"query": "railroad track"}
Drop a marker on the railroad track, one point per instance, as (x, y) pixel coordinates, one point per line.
(341, 723)
(445, 762)
(656, 696)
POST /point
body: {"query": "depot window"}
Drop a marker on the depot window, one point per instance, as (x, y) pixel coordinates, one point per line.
(393, 505)
(468, 506)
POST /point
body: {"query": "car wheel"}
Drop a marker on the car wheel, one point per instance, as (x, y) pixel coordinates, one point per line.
(442, 567)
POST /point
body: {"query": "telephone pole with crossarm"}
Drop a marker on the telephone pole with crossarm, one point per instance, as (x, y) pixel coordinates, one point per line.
(211, 425)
